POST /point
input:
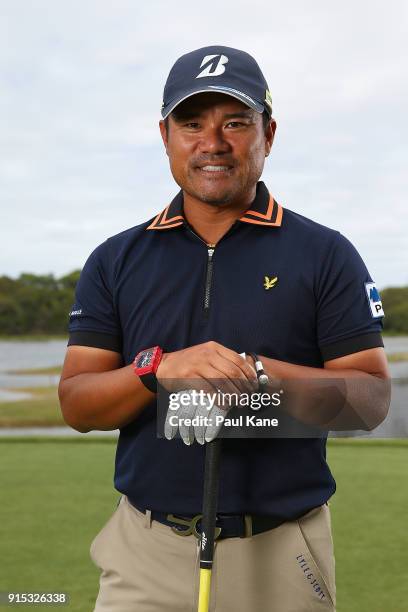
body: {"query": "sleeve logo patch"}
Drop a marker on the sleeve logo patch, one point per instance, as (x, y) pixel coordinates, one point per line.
(76, 313)
(374, 300)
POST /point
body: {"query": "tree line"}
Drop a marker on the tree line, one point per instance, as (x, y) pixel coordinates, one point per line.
(36, 304)
(40, 304)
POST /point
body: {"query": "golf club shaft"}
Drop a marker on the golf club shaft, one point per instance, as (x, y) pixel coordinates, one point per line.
(210, 498)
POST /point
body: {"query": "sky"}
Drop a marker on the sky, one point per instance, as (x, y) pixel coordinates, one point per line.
(81, 84)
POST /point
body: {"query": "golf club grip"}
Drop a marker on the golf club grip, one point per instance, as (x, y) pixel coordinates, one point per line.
(210, 500)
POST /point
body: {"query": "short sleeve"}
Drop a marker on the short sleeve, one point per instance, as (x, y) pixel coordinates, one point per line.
(93, 320)
(349, 309)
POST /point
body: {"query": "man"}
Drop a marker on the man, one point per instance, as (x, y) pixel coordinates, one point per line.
(221, 270)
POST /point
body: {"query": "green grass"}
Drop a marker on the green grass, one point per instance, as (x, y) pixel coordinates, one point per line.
(57, 494)
(369, 514)
(55, 498)
(36, 371)
(41, 410)
(395, 357)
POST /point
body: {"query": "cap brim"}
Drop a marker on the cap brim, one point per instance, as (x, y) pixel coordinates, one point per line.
(229, 91)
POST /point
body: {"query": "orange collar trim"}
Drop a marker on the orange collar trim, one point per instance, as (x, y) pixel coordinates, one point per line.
(272, 217)
(172, 215)
(163, 222)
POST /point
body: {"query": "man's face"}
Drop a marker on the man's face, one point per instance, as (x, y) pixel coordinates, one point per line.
(216, 147)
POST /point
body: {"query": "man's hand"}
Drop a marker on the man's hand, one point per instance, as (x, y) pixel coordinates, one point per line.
(197, 417)
(208, 368)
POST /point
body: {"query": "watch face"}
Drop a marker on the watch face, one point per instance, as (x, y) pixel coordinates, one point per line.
(144, 360)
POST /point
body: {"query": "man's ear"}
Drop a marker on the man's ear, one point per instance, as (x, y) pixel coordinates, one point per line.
(164, 135)
(269, 136)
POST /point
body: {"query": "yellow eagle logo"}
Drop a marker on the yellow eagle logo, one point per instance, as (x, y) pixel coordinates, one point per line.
(269, 283)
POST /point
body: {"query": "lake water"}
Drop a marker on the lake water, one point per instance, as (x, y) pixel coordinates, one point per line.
(27, 355)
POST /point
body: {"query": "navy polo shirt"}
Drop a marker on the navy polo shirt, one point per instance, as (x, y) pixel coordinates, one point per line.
(157, 284)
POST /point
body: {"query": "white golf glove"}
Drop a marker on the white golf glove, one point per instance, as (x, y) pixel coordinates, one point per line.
(207, 422)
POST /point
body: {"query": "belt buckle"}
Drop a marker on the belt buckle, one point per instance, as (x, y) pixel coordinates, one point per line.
(248, 525)
(191, 526)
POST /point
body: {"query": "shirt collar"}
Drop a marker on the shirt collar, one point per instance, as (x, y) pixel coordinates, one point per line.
(264, 211)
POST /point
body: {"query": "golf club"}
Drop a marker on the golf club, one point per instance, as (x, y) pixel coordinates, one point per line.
(210, 499)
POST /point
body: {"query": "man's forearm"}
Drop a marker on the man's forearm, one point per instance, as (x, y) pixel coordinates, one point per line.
(103, 400)
(333, 399)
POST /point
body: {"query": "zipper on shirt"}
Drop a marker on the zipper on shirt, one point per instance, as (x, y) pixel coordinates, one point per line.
(208, 278)
(208, 274)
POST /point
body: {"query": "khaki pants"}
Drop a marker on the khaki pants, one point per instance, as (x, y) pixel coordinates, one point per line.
(148, 568)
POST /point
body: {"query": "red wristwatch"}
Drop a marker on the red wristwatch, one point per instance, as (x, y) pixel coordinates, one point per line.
(145, 365)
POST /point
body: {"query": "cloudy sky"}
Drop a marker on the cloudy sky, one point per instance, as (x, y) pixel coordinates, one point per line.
(81, 88)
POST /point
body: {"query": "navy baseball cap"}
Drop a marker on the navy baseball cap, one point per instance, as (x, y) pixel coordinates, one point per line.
(221, 69)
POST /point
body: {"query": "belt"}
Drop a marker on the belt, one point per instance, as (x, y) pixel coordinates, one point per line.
(227, 525)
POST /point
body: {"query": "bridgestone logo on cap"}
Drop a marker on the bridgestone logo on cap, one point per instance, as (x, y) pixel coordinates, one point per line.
(218, 69)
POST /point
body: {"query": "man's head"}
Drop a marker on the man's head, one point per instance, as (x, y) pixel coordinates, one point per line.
(217, 131)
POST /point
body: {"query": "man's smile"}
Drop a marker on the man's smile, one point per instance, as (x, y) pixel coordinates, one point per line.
(215, 170)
